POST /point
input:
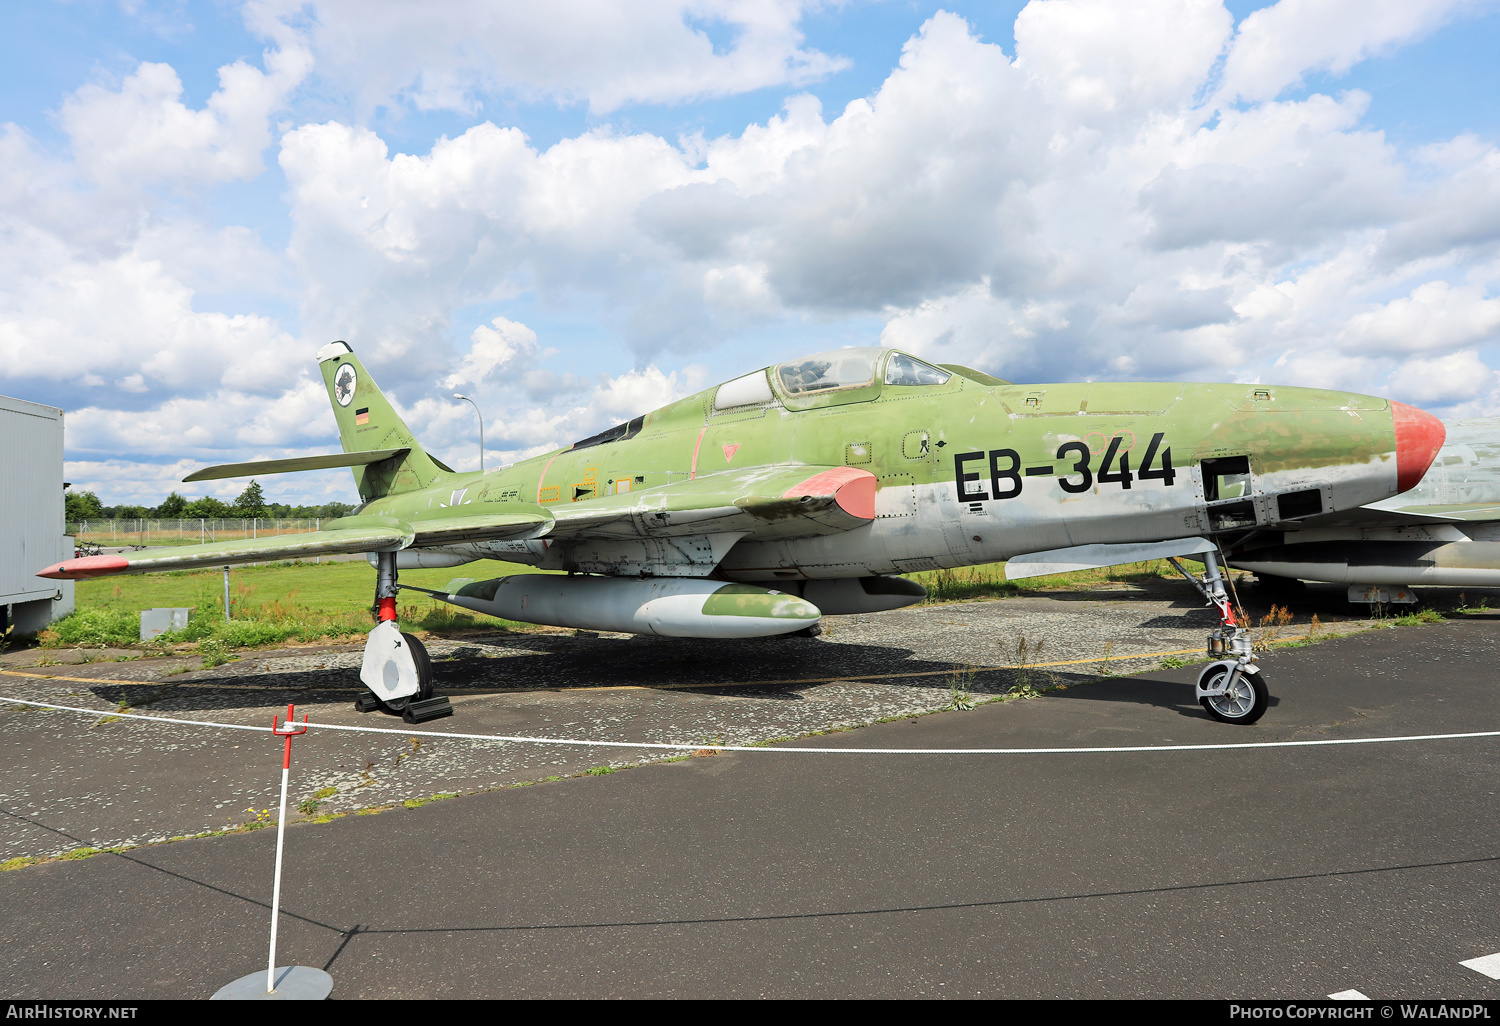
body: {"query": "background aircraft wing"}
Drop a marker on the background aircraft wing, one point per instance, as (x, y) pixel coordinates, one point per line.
(760, 502)
(1412, 515)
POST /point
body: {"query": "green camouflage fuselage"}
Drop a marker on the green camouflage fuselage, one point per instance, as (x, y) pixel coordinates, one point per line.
(968, 471)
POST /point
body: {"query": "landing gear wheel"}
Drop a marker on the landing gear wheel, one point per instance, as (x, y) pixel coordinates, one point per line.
(424, 676)
(1244, 703)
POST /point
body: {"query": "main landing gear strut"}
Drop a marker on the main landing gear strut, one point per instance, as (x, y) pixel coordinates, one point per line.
(1233, 688)
(397, 669)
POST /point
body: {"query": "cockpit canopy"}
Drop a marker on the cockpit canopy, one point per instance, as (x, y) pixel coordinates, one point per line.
(810, 376)
(855, 368)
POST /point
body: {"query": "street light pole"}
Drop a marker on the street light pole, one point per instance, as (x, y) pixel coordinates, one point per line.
(472, 403)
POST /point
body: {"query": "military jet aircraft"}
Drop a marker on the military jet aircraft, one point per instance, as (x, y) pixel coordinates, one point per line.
(753, 508)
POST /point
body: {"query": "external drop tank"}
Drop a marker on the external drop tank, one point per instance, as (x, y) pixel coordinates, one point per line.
(681, 607)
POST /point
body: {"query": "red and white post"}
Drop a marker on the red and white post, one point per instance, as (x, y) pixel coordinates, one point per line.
(289, 731)
(298, 982)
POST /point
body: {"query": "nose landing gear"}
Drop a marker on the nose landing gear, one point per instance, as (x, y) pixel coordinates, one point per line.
(397, 668)
(1231, 689)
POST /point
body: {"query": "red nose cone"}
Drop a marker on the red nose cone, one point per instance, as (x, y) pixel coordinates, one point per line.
(1419, 436)
(82, 569)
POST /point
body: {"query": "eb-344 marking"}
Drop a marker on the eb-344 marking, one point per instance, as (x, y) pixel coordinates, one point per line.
(1006, 472)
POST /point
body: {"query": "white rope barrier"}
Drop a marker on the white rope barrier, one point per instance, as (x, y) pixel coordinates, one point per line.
(579, 742)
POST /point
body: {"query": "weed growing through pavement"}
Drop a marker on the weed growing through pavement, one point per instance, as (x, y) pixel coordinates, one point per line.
(262, 818)
(1104, 667)
(1027, 654)
(1271, 625)
(961, 689)
(1172, 663)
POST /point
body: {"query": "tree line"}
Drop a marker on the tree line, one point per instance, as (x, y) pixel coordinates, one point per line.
(251, 504)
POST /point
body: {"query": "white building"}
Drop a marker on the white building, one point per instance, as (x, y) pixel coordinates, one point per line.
(32, 516)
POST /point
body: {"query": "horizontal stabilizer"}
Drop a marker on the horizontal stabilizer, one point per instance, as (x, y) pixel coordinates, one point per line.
(257, 467)
(1092, 557)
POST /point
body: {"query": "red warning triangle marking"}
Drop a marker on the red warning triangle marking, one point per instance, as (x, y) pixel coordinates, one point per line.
(729, 451)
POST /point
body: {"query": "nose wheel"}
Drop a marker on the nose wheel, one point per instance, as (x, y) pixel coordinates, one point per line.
(1232, 694)
(1233, 689)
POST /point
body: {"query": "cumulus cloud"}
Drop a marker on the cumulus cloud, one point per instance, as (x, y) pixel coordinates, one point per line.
(1279, 44)
(128, 317)
(1128, 194)
(524, 420)
(142, 132)
(449, 56)
(1445, 380)
(1435, 316)
(502, 345)
(1098, 57)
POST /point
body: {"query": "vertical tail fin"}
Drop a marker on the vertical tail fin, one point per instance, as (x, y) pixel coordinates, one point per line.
(367, 421)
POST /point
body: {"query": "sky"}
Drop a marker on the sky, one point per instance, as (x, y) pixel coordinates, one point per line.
(576, 212)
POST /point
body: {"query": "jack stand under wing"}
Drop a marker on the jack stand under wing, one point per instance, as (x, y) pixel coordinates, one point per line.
(1233, 688)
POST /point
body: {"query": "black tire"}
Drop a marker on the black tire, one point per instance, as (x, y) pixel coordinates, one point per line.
(424, 675)
(1245, 705)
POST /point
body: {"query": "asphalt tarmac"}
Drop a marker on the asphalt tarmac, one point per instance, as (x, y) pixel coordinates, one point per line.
(115, 782)
(1293, 873)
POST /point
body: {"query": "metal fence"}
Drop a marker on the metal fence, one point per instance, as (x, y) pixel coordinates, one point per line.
(181, 532)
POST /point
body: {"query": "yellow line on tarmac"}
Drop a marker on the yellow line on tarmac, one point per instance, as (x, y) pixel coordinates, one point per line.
(166, 683)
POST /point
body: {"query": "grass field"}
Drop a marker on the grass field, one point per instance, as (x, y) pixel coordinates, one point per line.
(270, 604)
(967, 583)
(323, 589)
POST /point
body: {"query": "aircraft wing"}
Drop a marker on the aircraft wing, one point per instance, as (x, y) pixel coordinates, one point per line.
(759, 502)
(347, 535)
